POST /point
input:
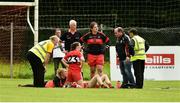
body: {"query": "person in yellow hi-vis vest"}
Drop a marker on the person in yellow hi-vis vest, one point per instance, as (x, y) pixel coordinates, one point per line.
(38, 57)
(140, 46)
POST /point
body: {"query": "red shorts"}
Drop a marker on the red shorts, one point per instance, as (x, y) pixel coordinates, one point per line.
(74, 76)
(94, 60)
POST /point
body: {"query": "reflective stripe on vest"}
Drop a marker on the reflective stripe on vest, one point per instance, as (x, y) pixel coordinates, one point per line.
(40, 50)
(139, 48)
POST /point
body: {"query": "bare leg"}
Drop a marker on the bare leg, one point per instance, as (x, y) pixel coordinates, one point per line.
(92, 83)
(26, 85)
(80, 82)
(99, 69)
(93, 71)
(105, 79)
(96, 79)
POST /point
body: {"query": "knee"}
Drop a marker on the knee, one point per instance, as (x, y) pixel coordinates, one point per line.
(93, 70)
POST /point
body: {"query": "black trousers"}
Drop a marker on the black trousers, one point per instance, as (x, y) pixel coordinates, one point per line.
(139, 66)
(56, 64)
(37, 68)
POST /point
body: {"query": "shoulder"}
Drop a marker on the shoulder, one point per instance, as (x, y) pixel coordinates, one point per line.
(77, 33)
(126, 37)
(67, 33)
(56, 78)
(101, 33)
(50, 43)
(77, 52)
(87, 34)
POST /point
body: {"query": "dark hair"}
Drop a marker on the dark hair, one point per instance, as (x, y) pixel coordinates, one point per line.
(74, 45)
(92, 25)
(134, 31)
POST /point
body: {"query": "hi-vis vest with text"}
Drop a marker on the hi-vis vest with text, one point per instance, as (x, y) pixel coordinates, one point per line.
(139, 48)
(40, 49)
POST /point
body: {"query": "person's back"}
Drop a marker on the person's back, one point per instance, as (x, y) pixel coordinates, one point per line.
(73, 61)
(73, 58)
(38, 57)
(42, 48)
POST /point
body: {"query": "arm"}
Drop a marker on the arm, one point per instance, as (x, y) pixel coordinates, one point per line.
(131, 48)
(83, 38)
(63, 37)
(65, 62)
(106, 40)
(127, 46)
(46, 60)
(82, 59)
(146, 46)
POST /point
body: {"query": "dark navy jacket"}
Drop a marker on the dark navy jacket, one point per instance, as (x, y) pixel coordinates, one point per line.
(123, 47)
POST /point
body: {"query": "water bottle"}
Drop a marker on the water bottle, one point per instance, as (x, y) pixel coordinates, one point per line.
(118, 84)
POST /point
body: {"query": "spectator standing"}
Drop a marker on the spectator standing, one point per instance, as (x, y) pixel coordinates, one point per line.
(122, 49)
(58, 52)
(71, 36)
(140, 46)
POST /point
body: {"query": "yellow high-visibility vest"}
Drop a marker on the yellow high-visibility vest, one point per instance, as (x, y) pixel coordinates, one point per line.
(41, 49)
(139, 48)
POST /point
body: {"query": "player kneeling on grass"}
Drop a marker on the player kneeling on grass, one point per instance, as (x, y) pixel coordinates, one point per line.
(73, 61)
(59, 79)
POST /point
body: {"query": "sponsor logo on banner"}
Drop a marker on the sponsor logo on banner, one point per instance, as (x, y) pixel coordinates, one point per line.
(159, 61)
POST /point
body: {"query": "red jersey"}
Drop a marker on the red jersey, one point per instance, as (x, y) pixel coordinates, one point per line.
(74, 58)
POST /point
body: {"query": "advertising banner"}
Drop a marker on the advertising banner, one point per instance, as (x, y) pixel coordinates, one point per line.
(162, 63)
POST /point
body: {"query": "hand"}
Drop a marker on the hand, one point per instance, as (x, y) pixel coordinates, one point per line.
(107, 46)
(127, 59)
(65, 51)
(45, 68)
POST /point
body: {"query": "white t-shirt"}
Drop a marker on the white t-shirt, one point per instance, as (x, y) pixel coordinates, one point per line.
(57, 53)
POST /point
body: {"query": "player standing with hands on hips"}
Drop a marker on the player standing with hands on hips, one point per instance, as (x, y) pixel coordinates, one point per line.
(95, 41)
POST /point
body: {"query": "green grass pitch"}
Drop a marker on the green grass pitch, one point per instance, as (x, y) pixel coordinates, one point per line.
(154, 91)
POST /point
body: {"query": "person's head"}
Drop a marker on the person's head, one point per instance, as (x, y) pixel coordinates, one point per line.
(76, 45)
(118, 32)
(132, 32)
(72, 25)
(54, 39)
(94, 27)
(62, 73)
(58, 32)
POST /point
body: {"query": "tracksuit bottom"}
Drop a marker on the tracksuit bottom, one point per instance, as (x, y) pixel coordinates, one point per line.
(139, 66)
